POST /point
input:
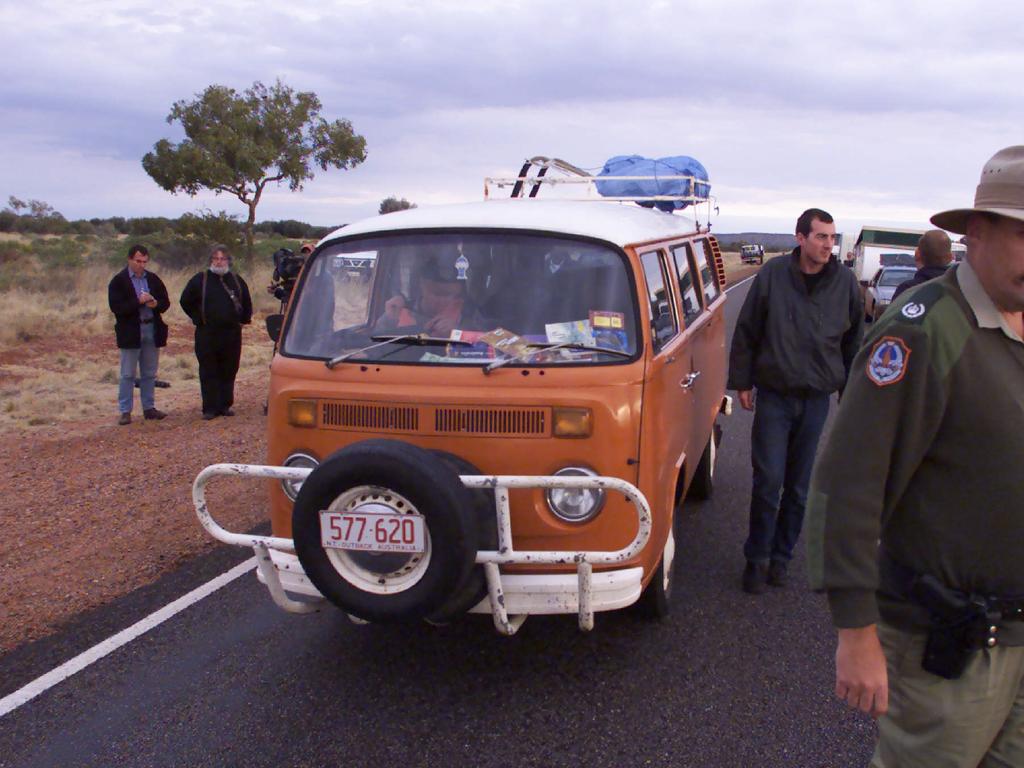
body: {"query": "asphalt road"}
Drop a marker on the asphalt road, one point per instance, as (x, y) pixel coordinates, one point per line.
(728, 680)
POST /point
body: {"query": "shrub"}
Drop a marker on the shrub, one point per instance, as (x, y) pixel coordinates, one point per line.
(59, 253)
(82, 228)
(148, 225)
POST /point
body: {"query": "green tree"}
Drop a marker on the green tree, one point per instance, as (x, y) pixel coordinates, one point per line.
(392, 204)
(239, 143)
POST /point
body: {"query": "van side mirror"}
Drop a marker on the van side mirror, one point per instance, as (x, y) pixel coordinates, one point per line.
(274, 324)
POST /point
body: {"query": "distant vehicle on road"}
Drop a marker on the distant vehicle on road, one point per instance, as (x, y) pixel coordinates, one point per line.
(356, 265)
(752, 254)
(881, 288)
(883, 247)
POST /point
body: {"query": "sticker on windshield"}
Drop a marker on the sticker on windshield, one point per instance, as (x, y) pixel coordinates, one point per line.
(609, 329)
(609, 320)
(887, 362)
(461, 265)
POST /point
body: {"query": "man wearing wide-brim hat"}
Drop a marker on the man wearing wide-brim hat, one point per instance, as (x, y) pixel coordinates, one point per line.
(916, 509)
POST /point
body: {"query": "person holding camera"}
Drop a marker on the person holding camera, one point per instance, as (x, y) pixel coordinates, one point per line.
(218, 302)
(287, 267)
(138, 298)
(917, 503)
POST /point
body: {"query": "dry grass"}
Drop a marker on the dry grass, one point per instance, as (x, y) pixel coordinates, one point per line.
(59, 361)
(78, 306)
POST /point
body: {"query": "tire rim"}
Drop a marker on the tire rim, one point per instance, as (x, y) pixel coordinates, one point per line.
(380, 573)
(667, 558)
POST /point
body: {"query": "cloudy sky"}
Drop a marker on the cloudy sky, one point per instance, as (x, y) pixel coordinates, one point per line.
(880, 112)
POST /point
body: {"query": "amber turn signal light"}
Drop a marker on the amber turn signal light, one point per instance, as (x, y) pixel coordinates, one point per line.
(573, 422)
(302, 413)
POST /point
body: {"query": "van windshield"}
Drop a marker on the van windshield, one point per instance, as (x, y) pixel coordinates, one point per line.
(495, 294)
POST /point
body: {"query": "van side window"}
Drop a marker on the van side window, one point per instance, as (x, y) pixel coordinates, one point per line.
(663, 319)
(682, 256)
(707, 274)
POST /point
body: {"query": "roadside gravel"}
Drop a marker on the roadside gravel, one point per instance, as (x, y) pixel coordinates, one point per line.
(91, 510)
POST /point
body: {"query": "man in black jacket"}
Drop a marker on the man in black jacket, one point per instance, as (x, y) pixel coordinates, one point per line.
(219, 304)
(933, 256)
(796, 336)
(138, 298)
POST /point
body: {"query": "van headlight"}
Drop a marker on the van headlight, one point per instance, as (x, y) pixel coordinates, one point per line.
(298, 461)
(575, 505)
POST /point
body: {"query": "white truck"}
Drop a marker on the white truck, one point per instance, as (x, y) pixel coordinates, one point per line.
(752, 254)
(879, 246)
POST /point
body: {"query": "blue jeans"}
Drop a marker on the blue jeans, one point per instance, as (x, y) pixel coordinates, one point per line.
(783, 443)
(145, 358)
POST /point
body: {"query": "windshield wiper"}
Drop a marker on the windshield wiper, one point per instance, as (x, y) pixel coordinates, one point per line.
(536, 347)
(421, 339)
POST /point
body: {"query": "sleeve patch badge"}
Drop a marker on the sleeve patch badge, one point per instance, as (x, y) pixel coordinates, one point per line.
(888, 361)
(913, 310)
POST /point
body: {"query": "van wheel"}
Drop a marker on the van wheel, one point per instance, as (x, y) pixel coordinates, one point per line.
(654, 602)
(703, 484)
(388, 476)
(475, 588)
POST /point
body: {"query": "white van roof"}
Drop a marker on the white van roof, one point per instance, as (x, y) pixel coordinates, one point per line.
(615, 223)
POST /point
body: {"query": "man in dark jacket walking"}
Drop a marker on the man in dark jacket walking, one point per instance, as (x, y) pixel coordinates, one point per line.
(219, 304)
(796, 336)
(933, 256)
(138, 298)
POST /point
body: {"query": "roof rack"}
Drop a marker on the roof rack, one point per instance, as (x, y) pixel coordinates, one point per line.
(534, 175)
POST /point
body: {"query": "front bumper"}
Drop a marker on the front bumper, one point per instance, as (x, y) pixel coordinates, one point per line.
(524, 594)
(511, 597)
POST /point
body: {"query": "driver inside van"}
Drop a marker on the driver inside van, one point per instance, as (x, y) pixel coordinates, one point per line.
(441, 305)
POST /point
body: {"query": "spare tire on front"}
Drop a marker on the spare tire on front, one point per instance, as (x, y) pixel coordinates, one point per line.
(388, 476)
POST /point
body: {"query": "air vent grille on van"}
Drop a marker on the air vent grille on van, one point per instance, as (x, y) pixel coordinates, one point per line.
(382, 418)
(716, 251)
(521, 422)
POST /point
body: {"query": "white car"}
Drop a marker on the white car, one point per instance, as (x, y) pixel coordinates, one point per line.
(880, 289)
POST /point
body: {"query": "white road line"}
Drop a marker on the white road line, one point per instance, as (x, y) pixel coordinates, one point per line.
(67, 669)
(741, 282)
(81, 661)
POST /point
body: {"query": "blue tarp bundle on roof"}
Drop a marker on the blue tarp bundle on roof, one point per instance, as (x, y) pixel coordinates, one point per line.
(635, 165)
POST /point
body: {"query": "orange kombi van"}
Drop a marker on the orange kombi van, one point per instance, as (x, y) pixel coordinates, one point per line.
(499, 413)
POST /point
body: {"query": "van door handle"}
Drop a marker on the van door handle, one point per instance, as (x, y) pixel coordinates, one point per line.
(690, 380)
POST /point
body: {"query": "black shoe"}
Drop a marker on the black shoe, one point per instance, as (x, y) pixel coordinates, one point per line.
(227, 412)
(124, 418)
(754, 577)
(153, 413)
(777, 574)
(207, 415)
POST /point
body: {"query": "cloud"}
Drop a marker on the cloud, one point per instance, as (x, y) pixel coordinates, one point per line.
(877, 109)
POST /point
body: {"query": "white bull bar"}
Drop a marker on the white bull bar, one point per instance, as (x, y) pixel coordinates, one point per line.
(490, 559)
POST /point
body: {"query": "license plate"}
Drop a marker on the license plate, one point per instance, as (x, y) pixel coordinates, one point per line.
(372, 531)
